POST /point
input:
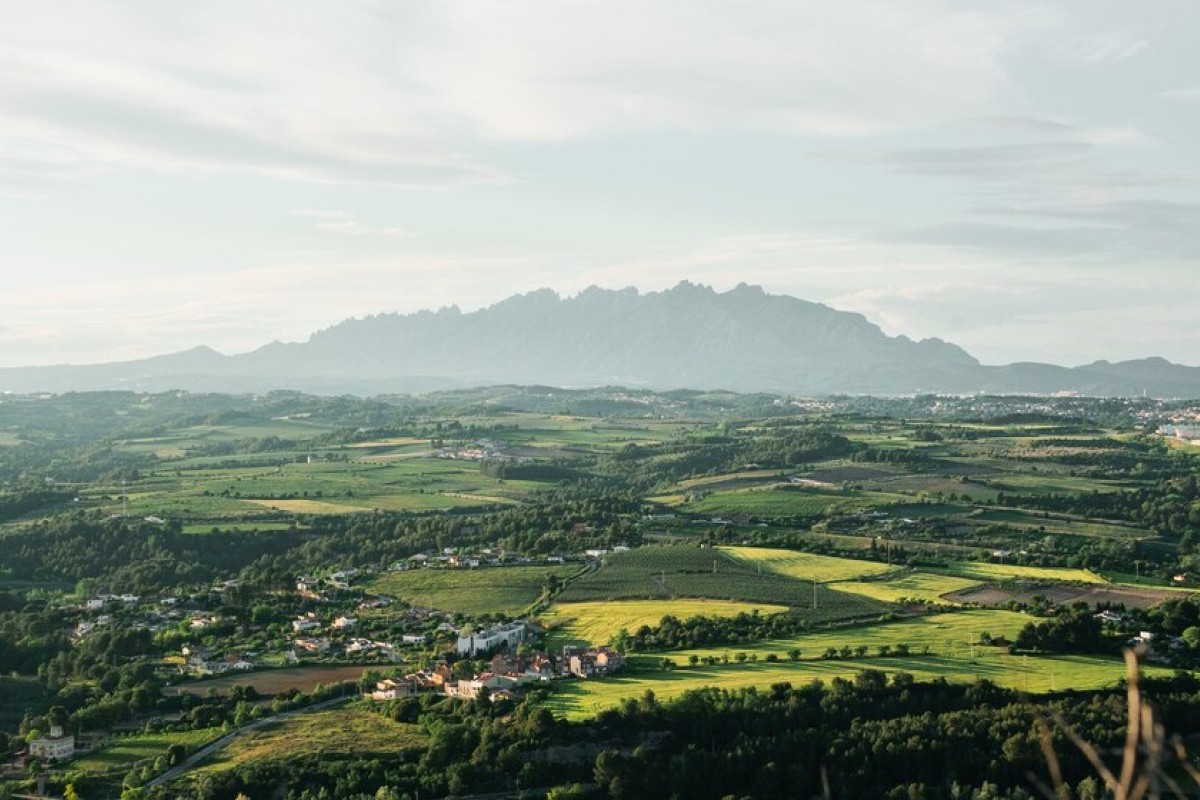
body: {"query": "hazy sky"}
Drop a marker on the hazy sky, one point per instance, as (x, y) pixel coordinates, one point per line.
(1020, 178)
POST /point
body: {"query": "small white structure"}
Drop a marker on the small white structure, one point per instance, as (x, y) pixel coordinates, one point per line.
(305, 623)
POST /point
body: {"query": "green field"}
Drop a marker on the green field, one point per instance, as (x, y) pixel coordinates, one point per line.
(985, 571)
(684, 571)
(1057, 524)
(941, 645)
(923, 586)
(597, 622)
(583, 699)
(784, 501)
(351, 730)
(487, 590)
(125, 750)
(804, 566)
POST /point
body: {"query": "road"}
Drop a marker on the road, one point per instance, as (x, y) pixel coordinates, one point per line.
(212, 747)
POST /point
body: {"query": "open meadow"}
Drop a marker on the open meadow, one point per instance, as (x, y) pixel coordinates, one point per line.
(685, 571)
(349, 731)
(578, 700)
(597, 622)
(484, 590)
(923, 586)
(123, 751)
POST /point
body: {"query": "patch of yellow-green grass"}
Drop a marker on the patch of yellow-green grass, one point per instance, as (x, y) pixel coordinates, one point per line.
(985, 571)
(308, 506)
(947, 634)
(584, 699)
(486, 590)
(125, 750)
(924, 586)
(805, 566)
(352, 730)
(597, 622)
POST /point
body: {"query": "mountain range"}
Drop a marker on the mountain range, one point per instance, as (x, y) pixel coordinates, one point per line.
(689, 336)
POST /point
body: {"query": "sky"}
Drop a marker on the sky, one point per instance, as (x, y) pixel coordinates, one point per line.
(1019, 178)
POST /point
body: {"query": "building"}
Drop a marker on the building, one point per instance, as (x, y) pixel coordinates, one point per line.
(391, 689)
(501, 637)
(595, 663)
(55, 747)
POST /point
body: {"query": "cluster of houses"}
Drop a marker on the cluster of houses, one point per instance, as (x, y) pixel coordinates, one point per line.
(505, 676)
(482, 450)
(199, 661)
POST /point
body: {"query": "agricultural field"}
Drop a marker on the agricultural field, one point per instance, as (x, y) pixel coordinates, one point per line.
(581, 700)
(986, 571)
(485, 590)
(597, 622)
(685, 571)
(121, 752)
(1057, 523)
(924, 586)
(1064, 594)
(276, 681)
(352, 730)
(804, 566)
(784, 501)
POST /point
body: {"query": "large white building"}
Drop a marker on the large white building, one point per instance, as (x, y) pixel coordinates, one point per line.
(55, 747)
(502, 637)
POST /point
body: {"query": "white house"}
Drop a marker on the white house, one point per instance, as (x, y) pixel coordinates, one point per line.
(55, 747)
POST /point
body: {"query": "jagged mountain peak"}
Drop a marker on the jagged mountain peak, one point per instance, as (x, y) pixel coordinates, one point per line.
(689, 336)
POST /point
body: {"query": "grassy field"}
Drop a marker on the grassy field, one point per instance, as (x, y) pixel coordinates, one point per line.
(804, 566)
(275, 681)
(984, 571)
(685, 571)
(125, 750)
(1057, 524)
(784, 501)
(584, 699)
(596, 623)
(351, 730)
(914, 586)
(941, 645)
(487, 590)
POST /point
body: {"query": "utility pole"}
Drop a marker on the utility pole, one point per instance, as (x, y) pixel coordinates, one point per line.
(814, 594)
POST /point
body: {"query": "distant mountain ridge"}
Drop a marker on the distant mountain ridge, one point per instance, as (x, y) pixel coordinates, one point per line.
(689, 336)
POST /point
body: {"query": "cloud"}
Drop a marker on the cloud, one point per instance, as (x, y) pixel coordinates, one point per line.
(401, 95)
(1188, 95)
(1106, 47)
(341, 222)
